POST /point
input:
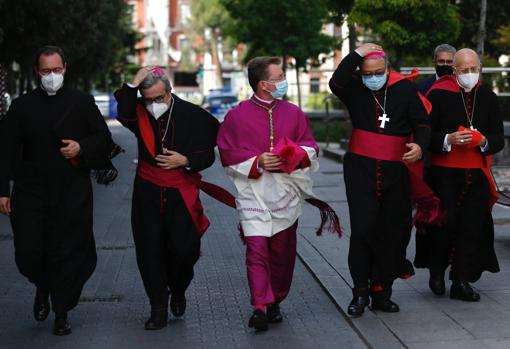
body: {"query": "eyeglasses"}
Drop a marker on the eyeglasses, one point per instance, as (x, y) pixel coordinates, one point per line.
(377, 74)
(444, 62)
(468, 70)
(47, 71)
(278, 79)
(158, 99)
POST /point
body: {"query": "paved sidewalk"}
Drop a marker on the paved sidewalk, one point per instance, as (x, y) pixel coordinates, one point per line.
(425, 320)
(114, 306)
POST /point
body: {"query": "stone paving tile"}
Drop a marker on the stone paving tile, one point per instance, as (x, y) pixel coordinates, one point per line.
(114, 306)
(425, 320)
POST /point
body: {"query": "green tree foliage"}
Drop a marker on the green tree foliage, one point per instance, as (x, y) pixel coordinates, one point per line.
(211, 16)
(502, 41)
(338, 11)
(498, 16)
(290, 28)
(95, 34)
(410, 29)
(287, 28)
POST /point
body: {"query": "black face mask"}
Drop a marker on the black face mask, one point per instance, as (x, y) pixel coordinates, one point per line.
(442, 70)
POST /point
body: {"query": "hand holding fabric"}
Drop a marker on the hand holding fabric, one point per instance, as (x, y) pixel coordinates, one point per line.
(460, 137)
(269, 161)
(476, 137)
(290, 154)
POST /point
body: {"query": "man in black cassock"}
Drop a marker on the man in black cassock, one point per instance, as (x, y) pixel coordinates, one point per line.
(385, 109)
(443, 60)
(176, 139)
(55, 135)
(466, 130)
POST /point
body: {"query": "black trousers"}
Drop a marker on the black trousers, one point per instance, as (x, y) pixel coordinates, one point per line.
(466, 240)
(53, 239)
(380, 215)
(167, 243)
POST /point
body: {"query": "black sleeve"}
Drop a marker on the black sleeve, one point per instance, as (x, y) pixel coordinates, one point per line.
(126, 98)
(496, 134)
(10, 146)
(420, 120)
(96, 147)
(201, 155)
(437, 138)
(343, 75)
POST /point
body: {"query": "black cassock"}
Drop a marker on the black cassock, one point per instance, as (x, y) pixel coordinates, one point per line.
(466, 241)
(51, 200)
(378, 191)
(166, 239)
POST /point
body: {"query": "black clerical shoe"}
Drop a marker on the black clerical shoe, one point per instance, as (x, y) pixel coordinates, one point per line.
(358, 303)
(178, 305)
(462, 290)
(385, 305)
(436, 284)
(158, 320)
(61, 326)
(273, 314)
(258, 320)
(41, 305)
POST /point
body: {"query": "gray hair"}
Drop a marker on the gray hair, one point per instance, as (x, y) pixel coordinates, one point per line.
(444, 48)
(152, 79)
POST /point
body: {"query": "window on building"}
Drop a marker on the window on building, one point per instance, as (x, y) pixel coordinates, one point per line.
(185, 14)
(315, 85)
(183, 43)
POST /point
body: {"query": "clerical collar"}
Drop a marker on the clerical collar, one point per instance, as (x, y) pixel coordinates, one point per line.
(49, 93)
(263, 100)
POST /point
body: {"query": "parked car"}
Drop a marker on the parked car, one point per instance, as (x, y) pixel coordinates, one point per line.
(103, 103)
(219, 102)
(107, 104)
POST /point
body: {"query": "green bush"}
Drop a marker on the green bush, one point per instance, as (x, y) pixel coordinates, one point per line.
(332, 131)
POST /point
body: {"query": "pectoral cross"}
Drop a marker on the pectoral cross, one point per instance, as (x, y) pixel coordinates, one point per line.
(383, 119)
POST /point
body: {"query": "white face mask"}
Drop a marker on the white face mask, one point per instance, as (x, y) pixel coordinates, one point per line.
(157, 109)
(52, 82)
(468, 81)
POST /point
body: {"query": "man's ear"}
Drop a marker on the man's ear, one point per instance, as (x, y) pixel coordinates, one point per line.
(261, 86)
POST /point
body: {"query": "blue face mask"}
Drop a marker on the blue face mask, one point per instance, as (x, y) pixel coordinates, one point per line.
(281, 89)
(374, 82)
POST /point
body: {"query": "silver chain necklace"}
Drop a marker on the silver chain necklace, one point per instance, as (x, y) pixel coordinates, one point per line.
(469, 119)
(384, 117)
(167, 123)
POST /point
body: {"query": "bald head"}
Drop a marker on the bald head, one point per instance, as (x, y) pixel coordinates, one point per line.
(466, 67)
(466, 56)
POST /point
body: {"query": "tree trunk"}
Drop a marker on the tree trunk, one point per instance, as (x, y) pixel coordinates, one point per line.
(353, 37)
(30, 76)
(22, 81)
(3, 91)
(298, 87)
(218, 71)
(481, 28)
